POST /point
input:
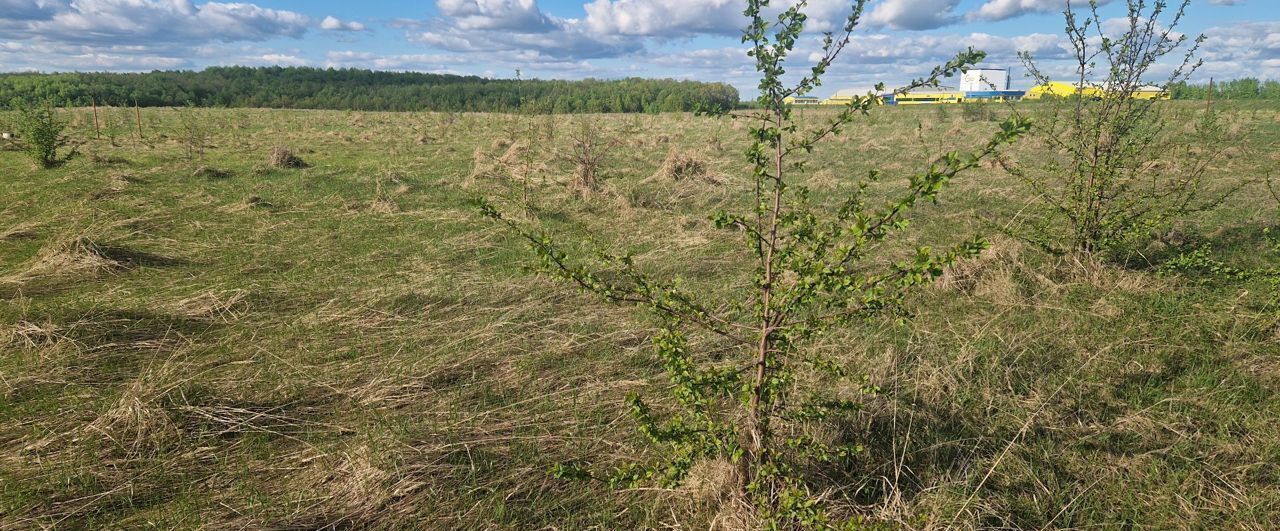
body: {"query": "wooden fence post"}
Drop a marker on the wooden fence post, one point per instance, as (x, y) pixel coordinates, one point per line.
(137, 115)
(96, 132)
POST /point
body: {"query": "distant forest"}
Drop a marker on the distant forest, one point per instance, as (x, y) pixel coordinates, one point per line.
(366, 90)
(1236, 89)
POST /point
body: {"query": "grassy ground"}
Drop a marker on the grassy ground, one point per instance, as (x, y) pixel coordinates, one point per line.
(208, 341)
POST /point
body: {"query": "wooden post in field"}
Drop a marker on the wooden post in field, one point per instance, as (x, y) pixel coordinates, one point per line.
(1211, 92)
(96, 133)
(137, 116)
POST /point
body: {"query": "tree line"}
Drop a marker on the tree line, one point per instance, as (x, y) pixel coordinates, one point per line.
(366, 90)
(1236, 89)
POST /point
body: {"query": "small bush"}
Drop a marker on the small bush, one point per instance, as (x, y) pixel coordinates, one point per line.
(40, 132)
(1112, 172)
(589, 149)
(194, 133)
(977, 112)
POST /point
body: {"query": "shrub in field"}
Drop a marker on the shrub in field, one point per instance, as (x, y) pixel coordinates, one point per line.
(589, 147)
(40, 134)
(758, 399)
(193, 132)
(1112, 171)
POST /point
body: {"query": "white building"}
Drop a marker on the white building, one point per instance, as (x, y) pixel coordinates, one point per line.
(984, 79)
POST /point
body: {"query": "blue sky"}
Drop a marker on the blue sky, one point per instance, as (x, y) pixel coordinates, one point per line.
(685, 39)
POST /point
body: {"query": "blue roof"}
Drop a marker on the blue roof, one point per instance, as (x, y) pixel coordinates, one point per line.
(995, 93)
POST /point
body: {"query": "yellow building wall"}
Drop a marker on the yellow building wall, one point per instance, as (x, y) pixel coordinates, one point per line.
(933, 97)
(1063, 90)
(792, 100)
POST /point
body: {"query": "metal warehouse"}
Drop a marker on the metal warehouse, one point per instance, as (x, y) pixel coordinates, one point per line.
(978, 85)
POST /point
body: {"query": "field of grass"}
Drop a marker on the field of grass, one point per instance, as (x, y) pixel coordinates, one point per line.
(210, 341)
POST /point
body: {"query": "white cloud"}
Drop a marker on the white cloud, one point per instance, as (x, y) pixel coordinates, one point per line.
(1226, 2)
(913, 14)
(37, 56)
(147, 21)
(1005, 9)
(565, 41)
(279, 59)
(516, 29)
(331, 23)
(1242, 42)
(18, 10)
(130, 35)
(664, 17)
(516, 15)
(687, 18)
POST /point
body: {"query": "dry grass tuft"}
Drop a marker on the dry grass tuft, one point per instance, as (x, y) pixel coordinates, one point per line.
(714, 481)
(355, 488)
(282, 157)
(21, 231)
(823, 179)
(75, 256)
(990, 275)
(511, 163)
(248, 203)
(481, 164)
(383, 201)
(684, 165)
(734, 514)
(1093, 271)
(107, 160)
(513, 154)
(29, 335)
(206, 172)
(383, 205)
(137, 425)
(1105, 308)
(224, 306)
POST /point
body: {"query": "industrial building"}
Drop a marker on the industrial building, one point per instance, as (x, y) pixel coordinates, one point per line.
(921, 97)
(1058, 89)
(843, 97)
(977, 85)
(801, 100)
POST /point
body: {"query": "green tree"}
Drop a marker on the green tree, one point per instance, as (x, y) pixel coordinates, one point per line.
(40, 133)
(1102, 181)
(756, 398)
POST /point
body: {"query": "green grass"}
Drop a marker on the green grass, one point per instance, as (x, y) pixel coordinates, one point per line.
(351, 344)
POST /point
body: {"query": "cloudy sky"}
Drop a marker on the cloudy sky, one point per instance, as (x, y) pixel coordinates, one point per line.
(687, 39)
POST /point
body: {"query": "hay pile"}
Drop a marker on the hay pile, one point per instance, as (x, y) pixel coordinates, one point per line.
(512, 163)
(683, 165)
(282, 157)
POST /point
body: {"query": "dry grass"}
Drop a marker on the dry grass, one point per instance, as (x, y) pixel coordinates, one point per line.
(354, 347)
(21, 231)
(72, 257)
(681, 165)
(220, 305)
(206, 172)
(282, 157)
